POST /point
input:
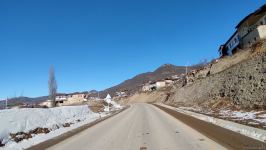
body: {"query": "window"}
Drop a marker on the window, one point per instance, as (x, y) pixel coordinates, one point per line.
(255, 39)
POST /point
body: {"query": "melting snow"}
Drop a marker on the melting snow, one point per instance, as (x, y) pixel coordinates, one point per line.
(24, 120)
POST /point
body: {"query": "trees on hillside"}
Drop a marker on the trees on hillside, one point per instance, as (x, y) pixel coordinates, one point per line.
(52, 85)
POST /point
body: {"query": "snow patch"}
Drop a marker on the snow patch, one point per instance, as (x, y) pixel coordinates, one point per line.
(26, 119)
(252, 132)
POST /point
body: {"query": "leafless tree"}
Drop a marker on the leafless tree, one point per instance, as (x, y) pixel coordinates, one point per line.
(52, 85)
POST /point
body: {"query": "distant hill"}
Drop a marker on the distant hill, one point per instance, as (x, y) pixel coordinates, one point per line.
(22, 100)
(134, 84)
(130, 85)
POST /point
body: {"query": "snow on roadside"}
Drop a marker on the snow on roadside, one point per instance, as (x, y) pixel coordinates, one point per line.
(115, 105)
(252, 132)
(252, 118)
(257, 116)
(27, 119)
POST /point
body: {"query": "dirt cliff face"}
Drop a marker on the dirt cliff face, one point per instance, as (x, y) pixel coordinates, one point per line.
(244, 84)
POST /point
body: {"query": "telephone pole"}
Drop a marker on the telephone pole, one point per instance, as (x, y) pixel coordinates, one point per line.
(98, 95)
(6, 102)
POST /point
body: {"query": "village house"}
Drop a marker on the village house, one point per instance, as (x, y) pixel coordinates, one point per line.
(170, 82)
(66, 99)
(160, 84)
(79, 95)
(47, 103)
(61, 97)
(121, 94)
(146, 88)
(176, 77)
(250, 30)
(151, 86)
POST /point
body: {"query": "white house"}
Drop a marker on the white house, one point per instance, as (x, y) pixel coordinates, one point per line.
(47, 103)
(61, 97)
(160, 84)
(121, 94)
(169, 82)
(151, 86)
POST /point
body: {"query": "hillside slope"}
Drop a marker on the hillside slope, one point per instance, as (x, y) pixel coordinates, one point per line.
(134, 84)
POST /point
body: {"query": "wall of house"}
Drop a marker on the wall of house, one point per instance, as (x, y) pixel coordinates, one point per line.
(232, 44)
(249, 30)
(160, 84)
(250, 38)
(251, 24)
(255, 35)
(262, 31)
(146, 88)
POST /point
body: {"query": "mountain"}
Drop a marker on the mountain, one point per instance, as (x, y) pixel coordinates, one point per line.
(134, 84)
(93, 92)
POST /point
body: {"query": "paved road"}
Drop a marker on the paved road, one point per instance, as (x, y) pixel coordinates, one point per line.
(141, 127)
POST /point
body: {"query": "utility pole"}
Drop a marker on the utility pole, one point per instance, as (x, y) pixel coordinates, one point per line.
(187, 67)
(98, 95)
(6, 102)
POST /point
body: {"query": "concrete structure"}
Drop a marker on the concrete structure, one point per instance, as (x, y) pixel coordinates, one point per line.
(250, 30)
(67, 99)
(61, 97)
(149, 87)
(160, 84)
(157, 85)
(169, 82)
(121, 94)
(79, 95)
(48, 103)
(259, 33)
(60, 102)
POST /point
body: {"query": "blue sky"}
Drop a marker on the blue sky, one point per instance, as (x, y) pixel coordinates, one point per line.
(95, 44)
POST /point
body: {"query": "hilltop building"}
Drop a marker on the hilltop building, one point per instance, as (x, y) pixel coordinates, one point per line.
(248, 31)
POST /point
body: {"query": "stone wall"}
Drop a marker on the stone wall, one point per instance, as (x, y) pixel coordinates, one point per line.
(244, 84)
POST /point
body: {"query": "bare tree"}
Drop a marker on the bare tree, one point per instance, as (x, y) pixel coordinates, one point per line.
(52, 85)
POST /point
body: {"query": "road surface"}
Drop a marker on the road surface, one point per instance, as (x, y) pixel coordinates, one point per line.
(141, 127)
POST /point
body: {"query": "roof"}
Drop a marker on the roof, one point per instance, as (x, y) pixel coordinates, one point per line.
(258, 11)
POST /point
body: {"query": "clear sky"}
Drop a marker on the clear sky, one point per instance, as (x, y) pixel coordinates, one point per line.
(95, 44)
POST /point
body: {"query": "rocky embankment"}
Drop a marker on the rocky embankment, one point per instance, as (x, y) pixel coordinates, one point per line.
(242, 84)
